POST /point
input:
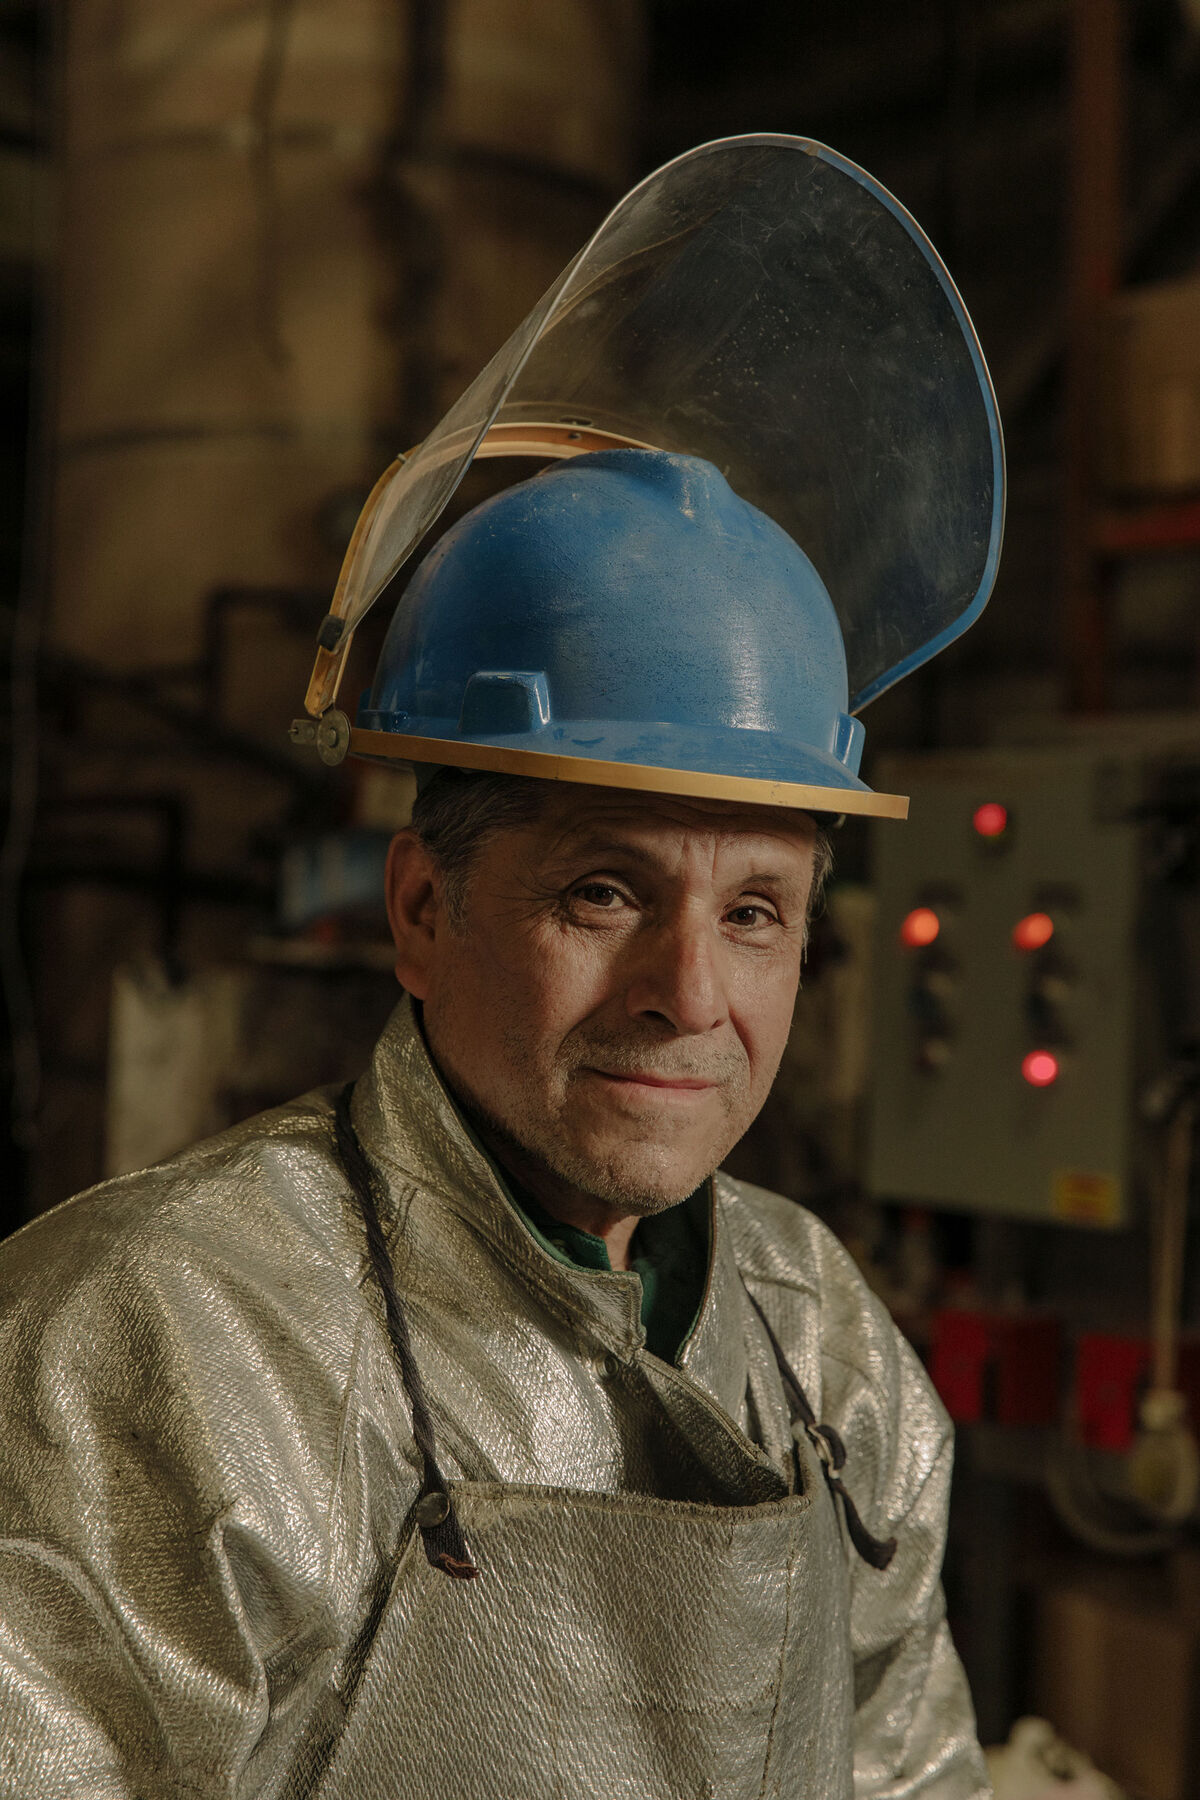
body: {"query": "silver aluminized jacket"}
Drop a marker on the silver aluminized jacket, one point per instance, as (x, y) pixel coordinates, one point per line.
(210, 1581)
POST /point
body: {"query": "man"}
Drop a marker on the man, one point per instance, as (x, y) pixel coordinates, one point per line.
(467, 1433)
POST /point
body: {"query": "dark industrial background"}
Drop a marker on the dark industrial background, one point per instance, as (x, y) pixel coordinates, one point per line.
(250, 251)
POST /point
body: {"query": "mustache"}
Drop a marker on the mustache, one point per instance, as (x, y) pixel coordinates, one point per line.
(650, 1053)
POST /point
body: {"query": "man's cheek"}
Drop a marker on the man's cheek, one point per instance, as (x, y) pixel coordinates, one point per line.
(564, 985)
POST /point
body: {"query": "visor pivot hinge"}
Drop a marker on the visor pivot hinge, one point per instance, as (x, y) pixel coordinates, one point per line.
(330, 634)
(329, 735)
(333, 736)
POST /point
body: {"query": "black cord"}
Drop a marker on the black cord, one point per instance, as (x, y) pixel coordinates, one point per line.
(831, 1452)
(441, 1533)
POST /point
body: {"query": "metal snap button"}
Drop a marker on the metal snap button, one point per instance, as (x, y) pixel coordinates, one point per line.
(432, 1509)
(611, 1364)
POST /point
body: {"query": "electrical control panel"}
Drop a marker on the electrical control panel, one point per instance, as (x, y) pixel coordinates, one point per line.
(1013, 1023)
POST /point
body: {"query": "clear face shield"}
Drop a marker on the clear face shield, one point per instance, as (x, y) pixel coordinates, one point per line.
(764, 304)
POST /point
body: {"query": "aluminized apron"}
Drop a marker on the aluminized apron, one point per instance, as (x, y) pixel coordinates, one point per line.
(617, 1645)
(614, 1645)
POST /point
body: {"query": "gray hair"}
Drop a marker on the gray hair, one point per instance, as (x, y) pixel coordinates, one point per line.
(458, 811)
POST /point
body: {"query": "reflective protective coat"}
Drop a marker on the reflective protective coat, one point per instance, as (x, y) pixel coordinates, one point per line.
(210, 1581)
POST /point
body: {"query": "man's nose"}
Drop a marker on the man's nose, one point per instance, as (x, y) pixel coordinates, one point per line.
(679, 977)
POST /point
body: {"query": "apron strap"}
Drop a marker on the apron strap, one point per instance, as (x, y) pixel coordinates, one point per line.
(830, 1449)
(441, 1533)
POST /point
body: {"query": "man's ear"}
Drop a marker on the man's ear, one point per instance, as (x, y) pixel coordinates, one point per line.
(414, 902)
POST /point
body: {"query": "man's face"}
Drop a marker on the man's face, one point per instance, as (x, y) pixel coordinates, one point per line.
(615, 997)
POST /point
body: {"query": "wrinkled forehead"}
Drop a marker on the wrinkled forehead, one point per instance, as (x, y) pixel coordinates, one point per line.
(574, 817)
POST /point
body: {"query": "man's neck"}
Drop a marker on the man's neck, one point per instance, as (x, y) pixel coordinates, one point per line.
(568, 1204)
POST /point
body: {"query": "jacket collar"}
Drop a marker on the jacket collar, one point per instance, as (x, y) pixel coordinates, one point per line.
(438, 1183)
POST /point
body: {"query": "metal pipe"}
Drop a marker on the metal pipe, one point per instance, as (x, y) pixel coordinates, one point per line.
(1094, 244)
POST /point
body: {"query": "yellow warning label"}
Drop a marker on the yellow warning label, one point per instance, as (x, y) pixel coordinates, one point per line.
(1087, 1198)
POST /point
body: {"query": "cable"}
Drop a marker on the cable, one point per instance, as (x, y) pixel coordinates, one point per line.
(1170, 1232)
(1087, 1513)
(1162, 1468)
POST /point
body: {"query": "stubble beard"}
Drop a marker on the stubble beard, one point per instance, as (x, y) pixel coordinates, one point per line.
(539, 1140)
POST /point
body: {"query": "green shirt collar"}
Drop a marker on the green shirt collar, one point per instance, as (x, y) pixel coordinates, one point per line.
(669, 1251)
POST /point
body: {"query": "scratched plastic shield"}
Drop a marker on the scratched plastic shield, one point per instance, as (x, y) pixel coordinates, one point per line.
(765, 304)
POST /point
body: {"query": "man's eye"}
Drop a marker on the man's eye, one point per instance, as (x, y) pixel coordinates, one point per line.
(598, 893)
(751, 916)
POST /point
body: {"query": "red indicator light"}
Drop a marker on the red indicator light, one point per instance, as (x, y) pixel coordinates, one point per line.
(920, 928)
(1040, 1068)
(1033, 932)
(991, 819)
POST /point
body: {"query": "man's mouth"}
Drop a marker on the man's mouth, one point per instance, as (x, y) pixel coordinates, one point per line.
(648, 1078)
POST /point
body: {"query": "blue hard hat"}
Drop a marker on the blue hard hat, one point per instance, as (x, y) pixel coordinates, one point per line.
(625, 609)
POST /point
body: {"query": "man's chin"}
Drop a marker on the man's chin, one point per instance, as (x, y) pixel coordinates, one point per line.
(641, 1179)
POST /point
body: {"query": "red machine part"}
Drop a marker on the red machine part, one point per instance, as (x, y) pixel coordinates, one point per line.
(1040, 1068)
(991, 819)
(921, 927)
(1112, 1372)
(1005, 1367)
(999, 1366)
(1032, 932)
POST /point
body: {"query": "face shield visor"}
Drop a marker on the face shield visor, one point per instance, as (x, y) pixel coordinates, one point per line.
(764, 304)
